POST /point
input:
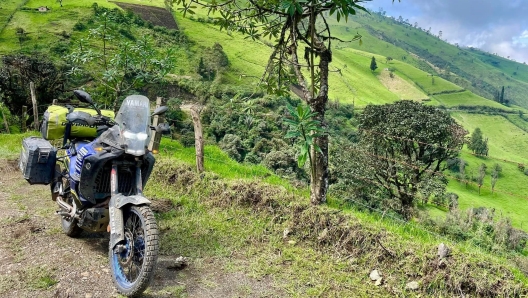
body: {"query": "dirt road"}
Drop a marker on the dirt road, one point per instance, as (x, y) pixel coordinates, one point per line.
(38, 260)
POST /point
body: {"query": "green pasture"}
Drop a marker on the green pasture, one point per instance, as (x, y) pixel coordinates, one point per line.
(467, 98)
(506, 141)
(510, 197)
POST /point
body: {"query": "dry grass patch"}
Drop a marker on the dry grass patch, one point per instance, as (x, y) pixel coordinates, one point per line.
(400, 87)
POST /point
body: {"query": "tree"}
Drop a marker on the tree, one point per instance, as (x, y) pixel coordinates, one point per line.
(495, 175)
(501, 100)
(481, 175)
(477, 143)
(293, 25)
(406, 143)
(17, 71)
(22, 35)
(373, 64)
(388, 59)
(120, 69)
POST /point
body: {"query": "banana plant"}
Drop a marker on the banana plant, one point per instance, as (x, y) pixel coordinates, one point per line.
(304, 129)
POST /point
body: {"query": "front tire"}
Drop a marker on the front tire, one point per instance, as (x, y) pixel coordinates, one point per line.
(133, 268)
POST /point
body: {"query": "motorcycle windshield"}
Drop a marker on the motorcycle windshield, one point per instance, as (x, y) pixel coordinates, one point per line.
(133, 119)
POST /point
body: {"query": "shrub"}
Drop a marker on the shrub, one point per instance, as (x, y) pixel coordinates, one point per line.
(232, 144)
(79, 26)
(480, 227)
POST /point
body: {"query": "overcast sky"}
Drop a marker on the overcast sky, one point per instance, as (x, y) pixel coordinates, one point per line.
(496, 26)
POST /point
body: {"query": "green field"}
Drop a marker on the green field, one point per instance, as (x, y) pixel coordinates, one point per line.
(506, 141)
(417, 48)
(467, 98)
(510, 197)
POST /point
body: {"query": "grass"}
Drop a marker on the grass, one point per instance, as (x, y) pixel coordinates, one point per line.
(217, 161)
(494, 70)
(222, 218)
(467, 98)
(506, 141)
(402, 88)
(509, 198)
(239, 222)
(10, 145)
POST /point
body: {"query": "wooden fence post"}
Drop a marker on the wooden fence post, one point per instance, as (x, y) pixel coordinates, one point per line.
(24, 117)
(35, 106)
(156, 138)
(198, 137)
(5, 122)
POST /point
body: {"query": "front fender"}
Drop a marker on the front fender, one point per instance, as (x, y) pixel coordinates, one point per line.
(117, 226)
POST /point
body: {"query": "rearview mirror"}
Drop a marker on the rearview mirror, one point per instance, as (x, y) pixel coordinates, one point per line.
(86, 98)
(83, 96)
(159, 111)
(163, 128)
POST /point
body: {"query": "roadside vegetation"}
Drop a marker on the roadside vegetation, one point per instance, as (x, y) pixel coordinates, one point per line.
(397, 188)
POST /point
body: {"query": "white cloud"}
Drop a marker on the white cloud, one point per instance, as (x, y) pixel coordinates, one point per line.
(494, 26)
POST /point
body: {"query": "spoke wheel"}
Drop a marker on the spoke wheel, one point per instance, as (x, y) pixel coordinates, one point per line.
(133, 265)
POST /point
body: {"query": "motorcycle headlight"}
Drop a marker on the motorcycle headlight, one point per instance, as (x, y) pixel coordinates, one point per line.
(140, 136)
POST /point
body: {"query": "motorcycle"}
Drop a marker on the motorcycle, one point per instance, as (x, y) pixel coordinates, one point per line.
(98, 185)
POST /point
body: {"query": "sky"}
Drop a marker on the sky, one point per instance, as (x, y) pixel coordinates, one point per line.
(495, 26)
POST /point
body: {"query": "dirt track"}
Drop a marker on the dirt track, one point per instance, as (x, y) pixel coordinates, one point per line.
(38, 260)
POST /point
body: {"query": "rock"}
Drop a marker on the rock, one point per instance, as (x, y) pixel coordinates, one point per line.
(323, 234)
(179, 263)
(413, 285)
(85, 274)
(443, 251)
(285, 233)
(88, 295)
(374, 275)
(291, 242)
(378, 281)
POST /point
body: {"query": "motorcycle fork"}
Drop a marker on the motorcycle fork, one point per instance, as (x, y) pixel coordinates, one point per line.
(117, 233)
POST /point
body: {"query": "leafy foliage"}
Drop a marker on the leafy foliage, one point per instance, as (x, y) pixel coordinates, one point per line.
(17, 71)
(129, 66)
(373, 64)
(291, 24)
(477, 143)
(304, 129)
(406, 144)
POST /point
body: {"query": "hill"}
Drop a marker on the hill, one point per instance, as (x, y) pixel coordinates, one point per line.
(262, 238)
(248, 125)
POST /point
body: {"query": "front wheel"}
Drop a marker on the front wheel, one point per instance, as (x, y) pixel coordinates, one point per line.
(133, 267)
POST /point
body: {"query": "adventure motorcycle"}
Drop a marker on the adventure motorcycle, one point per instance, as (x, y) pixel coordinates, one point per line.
(98, 184)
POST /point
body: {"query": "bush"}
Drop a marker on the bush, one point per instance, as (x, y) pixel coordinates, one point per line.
(480, 227)
(282, 162)
(60, 48)
(127, 34)
(79, 26)
(232, 144)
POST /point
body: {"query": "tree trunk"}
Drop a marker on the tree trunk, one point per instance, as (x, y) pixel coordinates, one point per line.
(319, 179)
(198, 138)
(156, 137)
(35, 105)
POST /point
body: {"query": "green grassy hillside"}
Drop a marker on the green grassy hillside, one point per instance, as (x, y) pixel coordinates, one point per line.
(480, 72)
(268, 230)
(351, 80)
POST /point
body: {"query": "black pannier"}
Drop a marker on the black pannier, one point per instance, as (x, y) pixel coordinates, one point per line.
(37, 160)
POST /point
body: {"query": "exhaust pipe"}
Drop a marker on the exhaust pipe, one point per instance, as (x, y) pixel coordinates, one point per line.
(71, 210)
